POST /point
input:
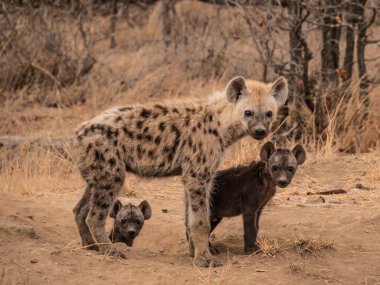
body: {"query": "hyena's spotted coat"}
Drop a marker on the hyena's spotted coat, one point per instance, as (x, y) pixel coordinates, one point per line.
(165, 140)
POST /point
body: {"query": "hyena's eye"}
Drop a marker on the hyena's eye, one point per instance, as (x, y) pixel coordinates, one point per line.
(248, 113)
(274, 168)
(123, 222)
(290, 168)
(269, 114)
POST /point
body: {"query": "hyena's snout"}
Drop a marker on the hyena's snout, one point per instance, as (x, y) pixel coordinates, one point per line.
(259, 133)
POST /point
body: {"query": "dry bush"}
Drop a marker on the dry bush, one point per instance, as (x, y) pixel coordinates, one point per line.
(38, 55)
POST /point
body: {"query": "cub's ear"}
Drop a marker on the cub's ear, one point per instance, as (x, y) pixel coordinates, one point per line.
(266, 151)
(279, 90)
(299, 153)
(115, 209)
(145, 209)
(235, 89)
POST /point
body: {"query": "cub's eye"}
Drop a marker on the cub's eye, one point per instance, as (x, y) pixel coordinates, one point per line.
(248, 113)
(274, 167)
(138, 223)
(269, 114)
(123, 222)
(290, 168)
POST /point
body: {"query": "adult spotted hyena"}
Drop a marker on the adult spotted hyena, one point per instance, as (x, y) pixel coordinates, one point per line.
(154, 140)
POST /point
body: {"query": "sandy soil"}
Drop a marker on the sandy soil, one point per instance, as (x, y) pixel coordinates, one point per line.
(304, 241)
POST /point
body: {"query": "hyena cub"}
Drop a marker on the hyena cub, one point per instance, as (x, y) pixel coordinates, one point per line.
(247, 189)
(128, 221)
(187, 139)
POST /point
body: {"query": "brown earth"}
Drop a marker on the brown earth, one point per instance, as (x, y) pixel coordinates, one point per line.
(303, 240)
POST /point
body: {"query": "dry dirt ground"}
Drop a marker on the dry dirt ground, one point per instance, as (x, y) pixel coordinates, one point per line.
(303, 240)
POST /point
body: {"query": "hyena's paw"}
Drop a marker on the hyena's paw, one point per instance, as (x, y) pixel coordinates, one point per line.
(118, 254)
(207, 260)
(252, 249)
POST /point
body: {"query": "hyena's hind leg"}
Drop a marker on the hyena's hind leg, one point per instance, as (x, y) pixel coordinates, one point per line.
(80, 212)
(103, 195)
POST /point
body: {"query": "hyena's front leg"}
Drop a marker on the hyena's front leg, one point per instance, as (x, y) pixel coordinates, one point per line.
(103, 194)
(198, 191)
(187, 225)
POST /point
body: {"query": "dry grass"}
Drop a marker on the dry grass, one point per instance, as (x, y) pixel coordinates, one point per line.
(311, 246)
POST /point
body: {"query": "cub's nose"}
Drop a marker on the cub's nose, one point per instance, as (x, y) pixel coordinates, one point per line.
(132, 233)
(282, 183)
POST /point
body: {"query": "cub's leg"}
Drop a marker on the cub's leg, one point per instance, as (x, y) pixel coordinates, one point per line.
(214, 222)
(250, 231)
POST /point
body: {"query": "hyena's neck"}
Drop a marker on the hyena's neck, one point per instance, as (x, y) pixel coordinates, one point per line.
(230, 128)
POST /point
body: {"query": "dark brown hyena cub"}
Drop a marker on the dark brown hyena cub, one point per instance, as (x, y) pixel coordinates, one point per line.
(247, 189)
(129, 220)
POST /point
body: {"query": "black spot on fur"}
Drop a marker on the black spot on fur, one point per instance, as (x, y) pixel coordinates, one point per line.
(101, 216)
(115, 143)
(194, 129)
(199, 125)
(139, 124)
(145, 113)
(155, 115)
(139, 136)
(175, 110)
(157, 140)
(118, 179)
(210, 118)
(105, 206)
(146, 129)
(151, 154)
(118, 119)
(190, 142)
(112, 162)
(139, 151)
(187, 120)
(200, 223)
(128, 133)
(123, 109)
(99, 156)
(162, 164)
(194, 208)
(89, 146)
(161, 127)
(162, 108)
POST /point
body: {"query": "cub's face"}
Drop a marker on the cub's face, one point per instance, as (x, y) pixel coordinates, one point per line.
(129, 219)
(282, 163)
(257, 103)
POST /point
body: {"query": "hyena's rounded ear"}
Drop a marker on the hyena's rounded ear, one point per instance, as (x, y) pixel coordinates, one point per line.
(299, 153)
(279, 90)
(115, 209)
(235, 89)
(145, 209)
(266, 151)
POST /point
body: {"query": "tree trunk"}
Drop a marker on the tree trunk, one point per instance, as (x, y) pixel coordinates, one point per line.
(360, 48)
(113, 23)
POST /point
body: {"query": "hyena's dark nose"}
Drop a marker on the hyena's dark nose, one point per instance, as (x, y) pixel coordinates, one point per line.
(282, 183)
(132, 233)
(260, 132)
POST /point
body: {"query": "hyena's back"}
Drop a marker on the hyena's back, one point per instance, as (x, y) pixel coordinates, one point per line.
(149, 141)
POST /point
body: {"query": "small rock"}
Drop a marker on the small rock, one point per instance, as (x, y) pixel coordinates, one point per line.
(34, 260)
(261, 270)
(55, 252)
(164, 210)
(162, 250)
(361, 186)
(319, 200)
